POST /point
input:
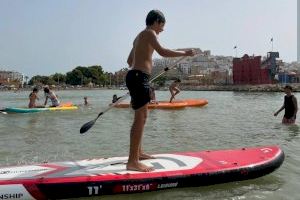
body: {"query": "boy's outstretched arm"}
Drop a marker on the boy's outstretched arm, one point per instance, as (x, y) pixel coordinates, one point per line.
(167, 52)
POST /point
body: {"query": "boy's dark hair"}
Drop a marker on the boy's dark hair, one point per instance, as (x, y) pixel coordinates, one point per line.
(155, 16)
(35, 89)
(288, 87)
(46, 90)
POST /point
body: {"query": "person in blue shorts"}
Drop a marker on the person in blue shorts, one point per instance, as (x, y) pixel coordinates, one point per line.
(137, 82)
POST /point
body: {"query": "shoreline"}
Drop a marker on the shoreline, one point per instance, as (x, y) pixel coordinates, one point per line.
(237, 88)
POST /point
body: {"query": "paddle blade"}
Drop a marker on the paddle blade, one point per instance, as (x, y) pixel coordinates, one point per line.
(85, 127)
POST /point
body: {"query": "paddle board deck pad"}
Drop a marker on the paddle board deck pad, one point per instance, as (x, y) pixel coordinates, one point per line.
(33, 110)
(106, 176)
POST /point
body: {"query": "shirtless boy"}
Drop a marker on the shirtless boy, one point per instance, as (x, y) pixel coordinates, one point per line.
(137, 81)
(174, 89)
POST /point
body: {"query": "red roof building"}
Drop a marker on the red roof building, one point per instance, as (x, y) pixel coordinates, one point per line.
(252, 70)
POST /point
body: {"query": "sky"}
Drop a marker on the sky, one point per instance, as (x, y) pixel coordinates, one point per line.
(54, 36)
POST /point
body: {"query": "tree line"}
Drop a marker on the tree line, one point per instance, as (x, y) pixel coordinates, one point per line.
(82, 76)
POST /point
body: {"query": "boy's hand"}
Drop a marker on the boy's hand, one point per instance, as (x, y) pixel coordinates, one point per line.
(190, 52)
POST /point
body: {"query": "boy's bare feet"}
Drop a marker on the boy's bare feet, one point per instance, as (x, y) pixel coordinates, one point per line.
(139, 167)
(144, 156)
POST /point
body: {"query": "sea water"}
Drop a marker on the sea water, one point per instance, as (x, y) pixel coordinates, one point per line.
(230, 120)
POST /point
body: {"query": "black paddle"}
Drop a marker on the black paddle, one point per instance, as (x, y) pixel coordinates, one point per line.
(85, 127)
(3, 112)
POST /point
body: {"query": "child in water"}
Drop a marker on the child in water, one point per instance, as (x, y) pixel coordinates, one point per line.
(289, 106)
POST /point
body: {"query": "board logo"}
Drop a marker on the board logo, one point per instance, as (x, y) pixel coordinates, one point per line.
(266, 150)
(11, 196)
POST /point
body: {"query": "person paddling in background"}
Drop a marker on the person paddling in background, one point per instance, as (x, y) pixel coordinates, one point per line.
(290, 106)
(32, 98)
(51, 95)
(174, 89)
(137, 81)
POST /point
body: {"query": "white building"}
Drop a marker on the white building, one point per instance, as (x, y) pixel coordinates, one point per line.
(7, 77)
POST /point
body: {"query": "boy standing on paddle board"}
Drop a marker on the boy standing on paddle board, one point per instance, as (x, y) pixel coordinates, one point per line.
(137, 81)
(290, 106)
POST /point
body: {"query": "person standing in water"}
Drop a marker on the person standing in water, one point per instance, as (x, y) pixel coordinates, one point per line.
(290, 106)
(174, 89)
(51, 95)
(137, 81)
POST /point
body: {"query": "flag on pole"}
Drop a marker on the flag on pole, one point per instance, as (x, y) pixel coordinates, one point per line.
(271, 39)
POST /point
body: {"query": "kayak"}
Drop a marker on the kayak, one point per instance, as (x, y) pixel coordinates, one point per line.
(33, 110)
(107, 176)
(158, 105)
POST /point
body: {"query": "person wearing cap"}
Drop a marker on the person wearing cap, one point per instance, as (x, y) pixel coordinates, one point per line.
(290, 106)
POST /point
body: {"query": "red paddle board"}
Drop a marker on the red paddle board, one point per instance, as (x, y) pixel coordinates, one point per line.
(96, 177)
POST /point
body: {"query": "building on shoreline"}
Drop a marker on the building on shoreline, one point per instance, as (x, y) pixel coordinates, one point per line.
(253, 70)
(202, 69)
(10, 78)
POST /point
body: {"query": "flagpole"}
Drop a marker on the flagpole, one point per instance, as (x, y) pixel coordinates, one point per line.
(235, 48)
(272, 43)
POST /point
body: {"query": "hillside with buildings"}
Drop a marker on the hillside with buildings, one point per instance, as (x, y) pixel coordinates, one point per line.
(202, 72)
